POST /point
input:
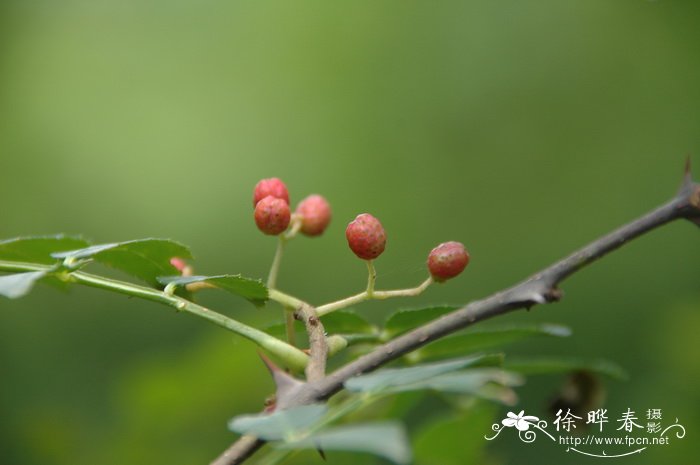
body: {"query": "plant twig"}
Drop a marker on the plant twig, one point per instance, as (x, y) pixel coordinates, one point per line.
(290, 354)
(371, 278)
(370, 294)
(247, 444)
(318, 347)
(541, 288)
(276, 261)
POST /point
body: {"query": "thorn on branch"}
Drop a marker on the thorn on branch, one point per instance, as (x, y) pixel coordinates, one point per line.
(286, 386)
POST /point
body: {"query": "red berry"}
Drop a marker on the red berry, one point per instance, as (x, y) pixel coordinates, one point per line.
(315, 214)
(366, 236)
(274, 187)
(272, 215)
(447, 260)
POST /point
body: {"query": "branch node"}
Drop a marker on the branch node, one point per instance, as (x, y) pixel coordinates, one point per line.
(554, 295)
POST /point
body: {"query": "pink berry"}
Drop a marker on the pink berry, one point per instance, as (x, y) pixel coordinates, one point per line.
(315, 214)
(366, 236)
(447, 260)
(272, 215)
(274, 187)
(178, 263)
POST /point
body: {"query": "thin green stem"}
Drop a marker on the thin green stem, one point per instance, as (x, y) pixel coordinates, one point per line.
(371, 278)
(289, 354)
(376, 295)
(295, 227)
(285, 299)
(414, 291)
(274, 272)
(342, 303)
(275, 267)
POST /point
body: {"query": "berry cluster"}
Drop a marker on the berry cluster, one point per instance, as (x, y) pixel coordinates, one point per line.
(273, 216)
(365, 234)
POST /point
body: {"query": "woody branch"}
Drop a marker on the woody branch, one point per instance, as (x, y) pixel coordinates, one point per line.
(540, 288)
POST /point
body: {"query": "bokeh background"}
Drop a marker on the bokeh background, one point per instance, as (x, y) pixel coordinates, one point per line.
(524, 129)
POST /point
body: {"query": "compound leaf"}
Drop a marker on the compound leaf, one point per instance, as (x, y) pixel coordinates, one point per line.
(145, 259)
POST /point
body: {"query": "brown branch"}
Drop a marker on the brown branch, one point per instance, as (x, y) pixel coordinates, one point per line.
(287, 387)
(318, 347)
(239, 451)
(541, 288)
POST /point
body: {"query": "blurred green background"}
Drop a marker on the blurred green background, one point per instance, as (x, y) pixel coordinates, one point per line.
(523, 129)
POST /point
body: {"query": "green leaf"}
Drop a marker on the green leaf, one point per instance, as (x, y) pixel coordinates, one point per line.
(405, 320)
(351, 326)
(14, 286)
(474, 340)
(386, 440)
(346, 322)
(545, 365)
(390, 379)
(283, 424)
(488, 383)
(38, 249)
(145, 259)
(434, 442)
(252, 289)
(279, 331)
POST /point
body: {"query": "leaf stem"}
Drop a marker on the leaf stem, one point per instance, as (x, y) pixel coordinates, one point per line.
(294, 357)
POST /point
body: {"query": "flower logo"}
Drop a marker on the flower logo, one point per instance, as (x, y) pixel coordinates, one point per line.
(520, 421)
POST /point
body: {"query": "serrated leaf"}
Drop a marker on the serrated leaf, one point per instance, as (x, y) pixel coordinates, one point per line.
(251, 289)
(284, 424)
(474, 340)
(392, 378)
(145, 259)
(386, 440)
(14, 286)
(405, 320)
(545, 365)
(38, 249)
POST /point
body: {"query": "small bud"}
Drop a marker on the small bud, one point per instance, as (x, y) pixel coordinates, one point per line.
(272, 215)
(336, 343)
(273, 187)
(315, 214)
(181, 265)
(178, 263)
(366, 236)
(447, 260)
